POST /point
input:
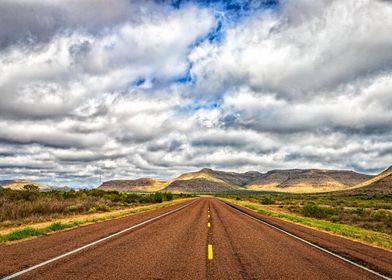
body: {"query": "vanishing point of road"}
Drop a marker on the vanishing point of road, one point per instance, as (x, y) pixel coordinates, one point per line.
(205, 238)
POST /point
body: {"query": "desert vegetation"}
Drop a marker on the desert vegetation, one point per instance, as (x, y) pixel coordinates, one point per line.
(367, 211)
(364, 217)
(19, 207)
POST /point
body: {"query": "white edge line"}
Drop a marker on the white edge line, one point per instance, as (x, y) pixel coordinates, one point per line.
(313, 245)
(91, 244)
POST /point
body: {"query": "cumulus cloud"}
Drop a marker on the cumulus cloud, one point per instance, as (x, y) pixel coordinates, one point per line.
(354, 108)
(52, 79)
(156, 88)
(304, 49)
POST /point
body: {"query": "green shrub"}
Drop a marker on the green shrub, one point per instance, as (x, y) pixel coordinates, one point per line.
(157, 197)
(168, 196)
(267, 200)
(72, 208)
(315, 211)
(103, 208)
(31, 188)
(334, 218)
(380, 215)
(57, 226)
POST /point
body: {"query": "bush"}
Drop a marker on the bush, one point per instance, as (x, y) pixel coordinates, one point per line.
(334, 218)
(315, 211)
(72, 208)
(31, 188)
(267, 200)
(103, 208)
(19, 206)
(157, 197)
(168, 196)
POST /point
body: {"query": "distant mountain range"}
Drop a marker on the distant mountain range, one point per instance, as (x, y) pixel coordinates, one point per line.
(293, 181)
(18, 184)
(214, 181)
(138, 185)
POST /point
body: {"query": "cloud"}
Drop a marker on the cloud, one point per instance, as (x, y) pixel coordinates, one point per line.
(304, 49)
(54, 78)
(39, 21)
(156, 88)
(355, 109)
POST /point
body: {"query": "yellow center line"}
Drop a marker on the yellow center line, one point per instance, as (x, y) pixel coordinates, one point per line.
(210, 256)
(209, 215)
(209, 224)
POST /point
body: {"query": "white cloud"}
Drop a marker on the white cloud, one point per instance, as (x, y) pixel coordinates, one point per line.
(94, 90)
(355, 107)
(305, 49)
(73, 67)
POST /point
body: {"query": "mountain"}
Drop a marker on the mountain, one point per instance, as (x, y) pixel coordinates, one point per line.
(307, 180)
(229, 178)
(20, 183)
(138, 185)
(210, 181)
(380, 184)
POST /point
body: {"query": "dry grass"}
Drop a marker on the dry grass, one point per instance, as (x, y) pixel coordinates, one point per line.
(26, 207)
(379, 239)
(298, 188)
(37, 229)
(367, 211)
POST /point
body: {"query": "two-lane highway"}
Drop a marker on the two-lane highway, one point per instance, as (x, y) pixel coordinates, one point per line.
(206, 239)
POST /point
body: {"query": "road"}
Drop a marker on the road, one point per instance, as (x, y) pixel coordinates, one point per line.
(203, 239)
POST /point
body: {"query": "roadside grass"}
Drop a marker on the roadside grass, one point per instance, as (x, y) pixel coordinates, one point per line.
(367, 211)
(23, 207)
(30, 232)
(58, 225)
(380, 239)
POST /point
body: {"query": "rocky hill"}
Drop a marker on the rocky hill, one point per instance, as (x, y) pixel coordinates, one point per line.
(210, 181)
(307, 180)
(138, 185)
(380, 184)
(230, 178)
(20, 183)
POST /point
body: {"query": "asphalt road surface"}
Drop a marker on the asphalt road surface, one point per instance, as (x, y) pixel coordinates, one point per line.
(202, 239)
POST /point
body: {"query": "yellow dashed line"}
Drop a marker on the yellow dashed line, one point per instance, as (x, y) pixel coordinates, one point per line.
(209, 215)
(209, 224)
(210, 255)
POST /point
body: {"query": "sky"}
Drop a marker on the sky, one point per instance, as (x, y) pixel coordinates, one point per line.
(129, 89)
